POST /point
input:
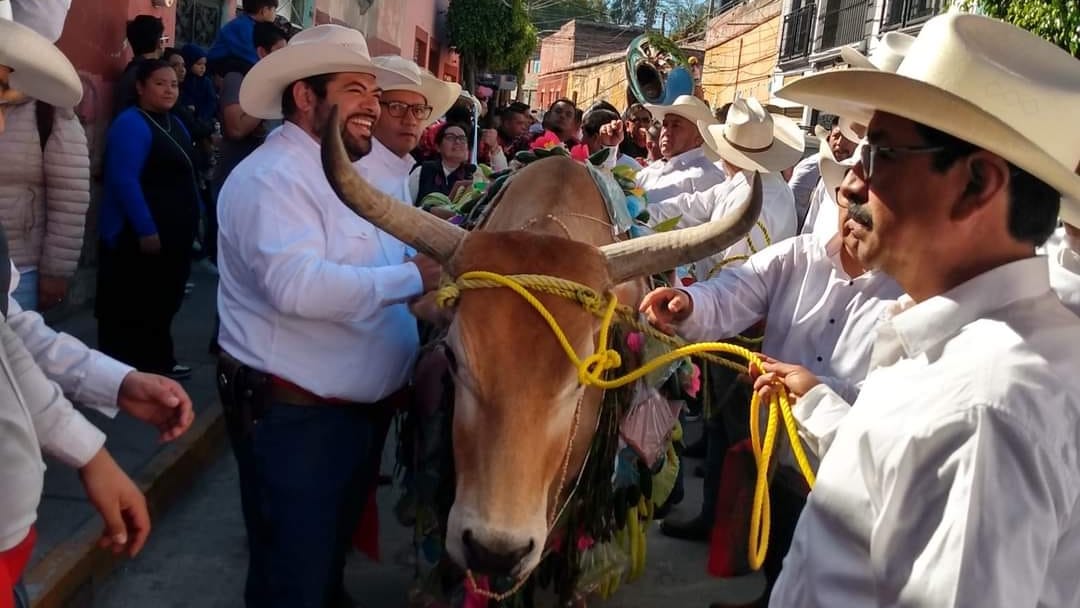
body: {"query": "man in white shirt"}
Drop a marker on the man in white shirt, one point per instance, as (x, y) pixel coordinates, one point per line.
(407, 110)
(806, 183)
(683, 167)
(316, 336)
(953, 480)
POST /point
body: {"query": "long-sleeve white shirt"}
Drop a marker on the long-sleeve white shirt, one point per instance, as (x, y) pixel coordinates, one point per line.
(387, 171)
(34, 416)
(88, 377)
(695, 208)
(815, 314)
(309, 291)
(954, 479)
(690, 171)
(823, 216)
(804, 179)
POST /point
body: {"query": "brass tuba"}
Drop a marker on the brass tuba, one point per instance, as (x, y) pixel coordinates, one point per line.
(656, 71)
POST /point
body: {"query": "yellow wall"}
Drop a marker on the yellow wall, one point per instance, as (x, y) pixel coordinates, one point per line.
(602, 82)
(742, 64)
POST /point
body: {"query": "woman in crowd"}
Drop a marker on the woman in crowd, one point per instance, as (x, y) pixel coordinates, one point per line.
(449, 168)
(148, 220)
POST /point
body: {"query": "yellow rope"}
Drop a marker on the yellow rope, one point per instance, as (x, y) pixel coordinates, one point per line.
(591, 371)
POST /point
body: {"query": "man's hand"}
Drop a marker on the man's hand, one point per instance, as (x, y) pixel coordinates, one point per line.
(51, 291)
(120, 503)
(666, 307)
(797, 379)
(426, 308)
(611, 134)
(150, 243)
(430, 271)
(158, 401)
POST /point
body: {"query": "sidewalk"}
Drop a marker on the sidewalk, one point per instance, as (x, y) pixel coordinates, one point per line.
(66, 564)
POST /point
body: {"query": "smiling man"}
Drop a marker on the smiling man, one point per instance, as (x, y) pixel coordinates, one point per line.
(407, 110)
(316, 336)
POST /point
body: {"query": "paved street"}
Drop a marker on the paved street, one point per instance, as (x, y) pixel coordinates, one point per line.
(196, 557)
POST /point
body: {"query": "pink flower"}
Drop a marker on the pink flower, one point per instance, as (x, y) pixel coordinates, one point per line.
(546, 141)
(474, 599)
(580, 153)
(635, 342)
(692, 384)
(687, 281)
(584, 542)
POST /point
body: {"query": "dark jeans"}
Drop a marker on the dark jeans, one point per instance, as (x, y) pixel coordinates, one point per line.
(726, 424)
(304, 475)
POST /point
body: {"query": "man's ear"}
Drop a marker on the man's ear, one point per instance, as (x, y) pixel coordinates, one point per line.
(988, 175)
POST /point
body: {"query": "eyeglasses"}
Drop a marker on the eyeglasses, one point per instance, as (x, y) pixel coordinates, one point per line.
(397, 109)
(869, 152)
(455, 139)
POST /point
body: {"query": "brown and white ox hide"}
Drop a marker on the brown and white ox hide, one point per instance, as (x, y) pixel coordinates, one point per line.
(516, 391)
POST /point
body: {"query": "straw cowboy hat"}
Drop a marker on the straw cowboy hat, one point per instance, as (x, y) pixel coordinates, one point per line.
(986, 82)
(886, 56)
(754, 139)
(687, 106)
(832, 170)
(324, 49)
(38, 69)
(440, 95)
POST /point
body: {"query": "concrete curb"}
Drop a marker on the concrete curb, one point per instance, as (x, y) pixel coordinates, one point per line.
(67, 575)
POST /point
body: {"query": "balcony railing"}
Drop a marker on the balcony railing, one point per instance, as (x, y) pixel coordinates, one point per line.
(798, 25)
(843, 22)
(897, 14)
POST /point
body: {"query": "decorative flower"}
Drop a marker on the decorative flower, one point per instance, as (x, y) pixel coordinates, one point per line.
(546, 141)
(580, 153)
(688, 281)
(691, 384)
(635, 342)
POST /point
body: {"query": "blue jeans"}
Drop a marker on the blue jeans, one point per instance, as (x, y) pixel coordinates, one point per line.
(304, 477)
(26, 294)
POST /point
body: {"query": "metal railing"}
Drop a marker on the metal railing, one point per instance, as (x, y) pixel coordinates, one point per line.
(843, 22)
(798, 26)
(897, 14)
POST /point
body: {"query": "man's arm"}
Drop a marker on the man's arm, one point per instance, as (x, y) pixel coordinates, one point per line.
(696, 208)
(235, 124)
(735, 298)
(283, 241)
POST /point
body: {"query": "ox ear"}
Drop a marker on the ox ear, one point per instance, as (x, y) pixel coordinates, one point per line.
(660, 252)
(423, 231)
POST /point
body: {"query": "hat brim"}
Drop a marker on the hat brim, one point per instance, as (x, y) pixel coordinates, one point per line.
(858, 93)
(856, 59)
(694, 114)
(832, 170)
(820, 132)
(262, 87)
(38, 69)
(786, 148)
(847, 129)
(440, 95)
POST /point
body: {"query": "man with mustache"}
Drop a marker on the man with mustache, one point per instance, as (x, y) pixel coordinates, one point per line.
(952, 480)
(316, 336)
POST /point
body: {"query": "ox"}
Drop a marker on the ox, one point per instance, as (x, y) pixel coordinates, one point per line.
(516, 392)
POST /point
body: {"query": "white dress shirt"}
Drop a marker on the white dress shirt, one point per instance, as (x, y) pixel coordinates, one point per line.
(823, 216)
(387, 171)
(804, 179)
(815, 314)
(954, 479)
(696, 208)
(308, 290)
(690, 171)
(88, 377)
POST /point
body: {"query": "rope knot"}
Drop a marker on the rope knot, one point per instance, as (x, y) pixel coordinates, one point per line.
(447, 295)
(593, 367)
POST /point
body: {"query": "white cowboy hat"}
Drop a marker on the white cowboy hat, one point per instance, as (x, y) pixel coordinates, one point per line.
(821, 132)
(687, 106)
(440, 95)
(323, 49)
(755, 140)
(851, 130)
(886, 56)
(38, 69)
(832, 170)
(984, 81)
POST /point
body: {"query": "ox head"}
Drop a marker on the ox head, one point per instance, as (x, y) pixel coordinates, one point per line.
(516, 392)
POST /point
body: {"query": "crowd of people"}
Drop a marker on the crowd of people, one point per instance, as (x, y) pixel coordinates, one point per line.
(914, 282)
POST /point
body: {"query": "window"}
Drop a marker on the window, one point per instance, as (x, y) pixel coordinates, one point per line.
(420, 52)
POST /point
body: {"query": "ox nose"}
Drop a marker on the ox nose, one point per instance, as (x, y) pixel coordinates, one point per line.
(499, 560)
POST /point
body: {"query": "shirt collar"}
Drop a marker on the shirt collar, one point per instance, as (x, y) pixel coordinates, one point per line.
(686, 158)
(398, 165)
(921, 326)
(298, 137)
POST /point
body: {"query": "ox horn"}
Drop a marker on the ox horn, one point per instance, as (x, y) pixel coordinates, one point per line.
(419, 229)
(660, 252)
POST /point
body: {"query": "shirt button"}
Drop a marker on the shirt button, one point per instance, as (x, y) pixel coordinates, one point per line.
(850, 283)
(831, 321)
(819, 359)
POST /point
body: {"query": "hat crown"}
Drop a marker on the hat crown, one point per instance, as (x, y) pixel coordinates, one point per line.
(403, 66)
(333, 34)
(891, 50)
(748, 125)
(1013, 75)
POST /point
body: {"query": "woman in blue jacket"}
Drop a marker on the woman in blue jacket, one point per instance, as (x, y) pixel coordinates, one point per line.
(148, 220)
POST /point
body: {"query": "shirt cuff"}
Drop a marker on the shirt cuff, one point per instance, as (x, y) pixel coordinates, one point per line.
(75, 441)
(100, 388)
(398, 284)
(695, 327)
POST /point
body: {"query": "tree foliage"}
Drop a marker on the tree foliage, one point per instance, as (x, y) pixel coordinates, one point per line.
(549, 15)
(685, 18)
(491, 35)
(1056, 20)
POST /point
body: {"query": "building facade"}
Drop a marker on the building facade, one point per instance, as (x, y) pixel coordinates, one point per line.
(587, 49)
(741, 52)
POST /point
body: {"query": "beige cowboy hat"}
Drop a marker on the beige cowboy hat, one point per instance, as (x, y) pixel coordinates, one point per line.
(687, 106)
(832, 170)
(440, 95)
(886, 56)
(323, 49)
(984, 81)
(754, 139)
(38, 69)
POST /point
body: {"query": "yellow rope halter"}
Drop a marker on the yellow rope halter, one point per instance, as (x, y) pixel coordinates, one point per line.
(591, 371)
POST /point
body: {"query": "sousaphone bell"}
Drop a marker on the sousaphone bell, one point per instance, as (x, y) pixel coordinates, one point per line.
(655, 75)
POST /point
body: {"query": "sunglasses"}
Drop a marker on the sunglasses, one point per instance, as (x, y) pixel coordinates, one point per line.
(868, 153)
(397, 109)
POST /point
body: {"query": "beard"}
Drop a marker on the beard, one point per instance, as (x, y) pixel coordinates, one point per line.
(356, 146)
